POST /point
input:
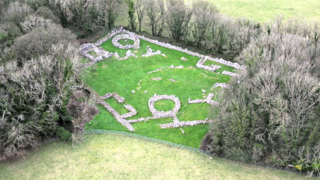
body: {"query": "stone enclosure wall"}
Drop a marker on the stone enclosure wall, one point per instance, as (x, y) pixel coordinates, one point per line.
(119, 34)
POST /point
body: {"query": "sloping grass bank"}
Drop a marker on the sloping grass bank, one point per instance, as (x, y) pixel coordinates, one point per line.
(120, 157)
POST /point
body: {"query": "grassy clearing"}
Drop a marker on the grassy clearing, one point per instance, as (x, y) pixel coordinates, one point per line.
(124, 76)
(266, 10)
(126, 42)
(121, 157)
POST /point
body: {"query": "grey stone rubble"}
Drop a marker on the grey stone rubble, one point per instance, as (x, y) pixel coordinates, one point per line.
(204, 75)
(156, 114)
(156, 70)
(184, 59)
(156, 78)
(167, 45)
(116, 55)
(132, 36)
(131, 112)
(136, 120)
(139, 85)
(164, 114)
(102, 53)
(117, 115)
(222, 85)
(184, 123)
(230, 73)
(118, 98)
(200, 64)
(109, 36)
(120, 118)
(115, 95)
(207, 100)
(172, 80)
(182, 130)
(129, 53)
(107, 96)
(86, 47)
(150, 52)
(172, 67)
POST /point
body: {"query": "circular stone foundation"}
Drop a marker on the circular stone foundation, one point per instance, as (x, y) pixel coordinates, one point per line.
(162, 114)
(136, 45)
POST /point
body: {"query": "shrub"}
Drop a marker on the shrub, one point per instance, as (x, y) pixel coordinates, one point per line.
(271, 113)
(47, 14)
(34, 99)
(40, 40)
(63, 133)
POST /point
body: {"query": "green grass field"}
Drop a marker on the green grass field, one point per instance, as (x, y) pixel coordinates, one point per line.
(120, 157)
(266, 10)
(124, 76)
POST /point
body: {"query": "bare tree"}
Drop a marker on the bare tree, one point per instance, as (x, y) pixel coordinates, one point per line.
(203, 16)
(270, 113)
(131, 14)
(113, 11)
(16, 12)
(41, 88)
(140, 7)
(33, 21)
(38, 42)
(155, 11)
(177, 18)
(47, 14)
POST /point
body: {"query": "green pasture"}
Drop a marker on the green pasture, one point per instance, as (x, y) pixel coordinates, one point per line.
(267, 10)
(120, 157)
(124, 76)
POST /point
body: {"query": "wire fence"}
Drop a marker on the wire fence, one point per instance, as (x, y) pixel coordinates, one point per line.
(96, 131)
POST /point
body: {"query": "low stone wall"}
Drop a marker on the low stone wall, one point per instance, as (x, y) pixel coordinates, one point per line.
(201, 65)
(128, 54)
(207, 100)
(84, 49)
(184, 123)
(230, 73)
(117, 115)
(150, 52)
(130, 35)
(167, 45)
(136, 45)
(164, 114)
(222, 85)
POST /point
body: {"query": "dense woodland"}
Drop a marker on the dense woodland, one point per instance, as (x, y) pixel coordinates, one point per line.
(269, 114)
